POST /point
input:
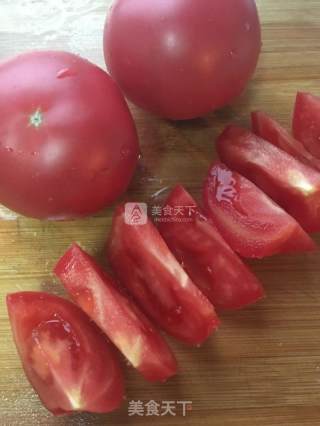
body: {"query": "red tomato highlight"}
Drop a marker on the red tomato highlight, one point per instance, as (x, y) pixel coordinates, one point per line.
(147, 268)
(290, 183)
(306, 122)
(252, 224)
(181, 59)
(267, 128)
(66, 358)
(125, 325)
(68, 144)
(210, 262)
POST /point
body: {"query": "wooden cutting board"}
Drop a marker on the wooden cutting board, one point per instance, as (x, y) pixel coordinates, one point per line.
(263, 366)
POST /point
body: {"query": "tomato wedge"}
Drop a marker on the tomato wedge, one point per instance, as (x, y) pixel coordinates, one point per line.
(148, 269)
(131, 332)
(66, 358)
(207, 258)
(306, 122)
(253, 224)
(267, 128)
(290, 183)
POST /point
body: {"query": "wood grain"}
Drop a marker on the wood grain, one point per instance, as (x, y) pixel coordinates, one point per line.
(263, 366)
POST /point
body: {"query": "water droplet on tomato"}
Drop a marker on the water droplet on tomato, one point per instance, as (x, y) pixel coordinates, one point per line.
(125, 152)
(247, 26)
(66, 72)
(179, 310)
(9, 149)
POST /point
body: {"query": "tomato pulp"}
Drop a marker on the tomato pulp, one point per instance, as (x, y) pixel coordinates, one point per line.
(211, 263)
(306, 122)
(66, 358)
(253, 224)
(290, 183)
(124, 324)
(269, 129)
(147, 268)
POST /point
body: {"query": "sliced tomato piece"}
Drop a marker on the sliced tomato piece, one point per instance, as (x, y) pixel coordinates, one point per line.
(125, 325)
(306, 122)
(68, 361)
(253, 224)
(290, 183)
(269, 129)
(210, 262)
(148, 269)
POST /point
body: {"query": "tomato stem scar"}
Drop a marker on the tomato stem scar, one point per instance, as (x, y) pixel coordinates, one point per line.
(36, 119)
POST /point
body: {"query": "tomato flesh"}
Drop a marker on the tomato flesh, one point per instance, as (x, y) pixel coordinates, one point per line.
(181, 59)
(267, 128)
(68, 144)
(253, 224)
(210, 262)
(66, 358)
(147, 268)
(306, 122)
(290, 183)
(125, 325)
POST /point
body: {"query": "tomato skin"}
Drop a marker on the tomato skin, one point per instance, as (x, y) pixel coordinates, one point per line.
(181, 59)
(149, 271)
(267, 128)
(251, 223)
(210, 262)
(125, 325)
(291, 184)
(64, 126)
(306, 122)
(66, 358)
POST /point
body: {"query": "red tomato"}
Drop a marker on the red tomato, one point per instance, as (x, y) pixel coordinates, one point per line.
(207, 258)
(181, 59)
(124, 324)
(268, 129)
(291, 184)
(253, 224)
(68, 143)
(146, 267)
(306, 122)
(66, 358)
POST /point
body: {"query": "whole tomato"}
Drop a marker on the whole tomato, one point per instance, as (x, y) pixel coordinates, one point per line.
(181, 59)
(68, 143)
